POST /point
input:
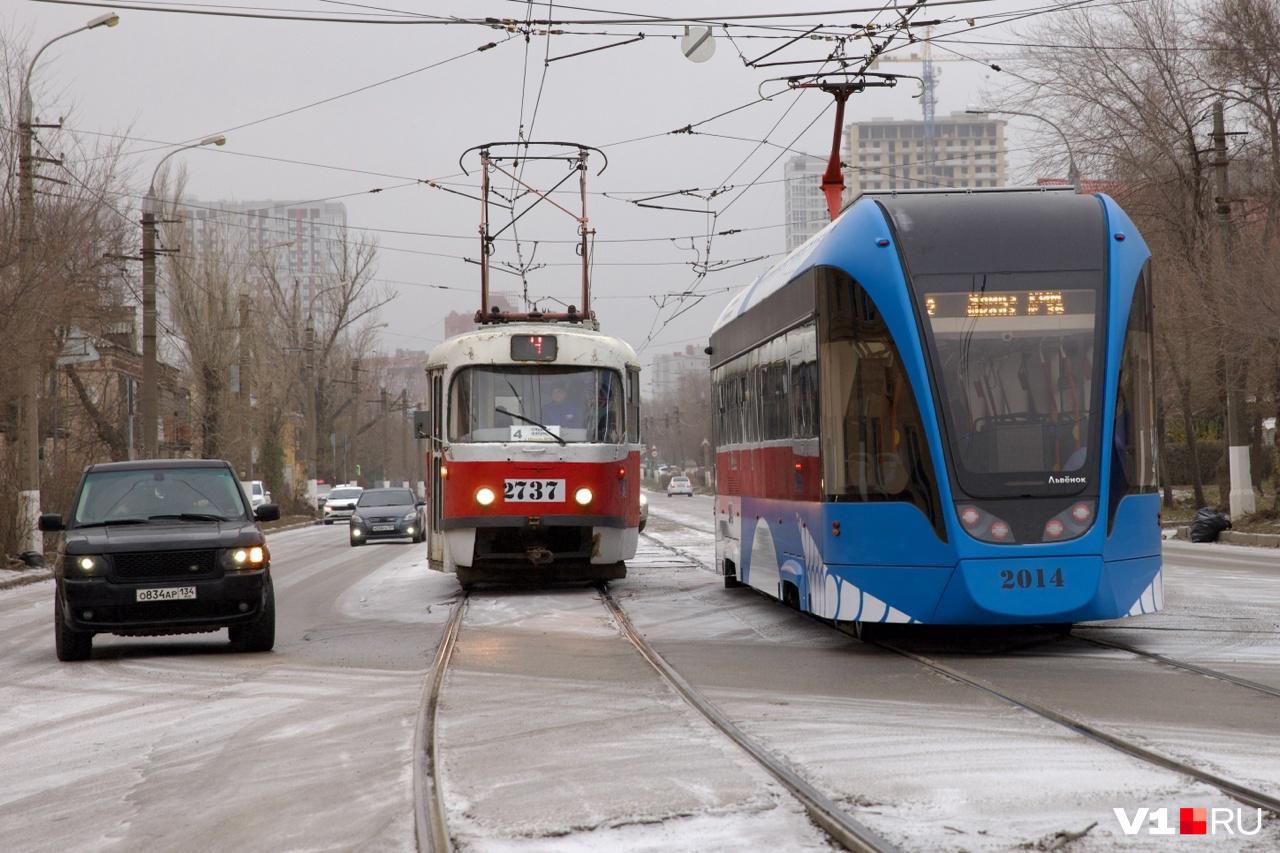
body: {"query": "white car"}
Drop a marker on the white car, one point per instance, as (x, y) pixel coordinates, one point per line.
(644, 511)
(257, 492)
(680, 486)
(341, 503)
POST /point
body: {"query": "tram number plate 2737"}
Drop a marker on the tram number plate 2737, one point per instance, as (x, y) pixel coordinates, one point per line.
(1031, 579)
(533, 491)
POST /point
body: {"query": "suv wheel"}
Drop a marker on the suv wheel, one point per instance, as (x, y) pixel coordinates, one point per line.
(71, 645)
(258, 636)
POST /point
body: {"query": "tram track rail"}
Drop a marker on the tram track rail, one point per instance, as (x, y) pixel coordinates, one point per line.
(1239, 792)
(431, 825)
(1208, 672)
(824, 811)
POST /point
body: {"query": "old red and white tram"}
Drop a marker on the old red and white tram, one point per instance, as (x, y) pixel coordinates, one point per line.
(535, 454)
(534, 443)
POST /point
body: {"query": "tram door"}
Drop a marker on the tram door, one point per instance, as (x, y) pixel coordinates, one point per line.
(435, 456)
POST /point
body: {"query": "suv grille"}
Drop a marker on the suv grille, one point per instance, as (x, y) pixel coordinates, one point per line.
(151, 565)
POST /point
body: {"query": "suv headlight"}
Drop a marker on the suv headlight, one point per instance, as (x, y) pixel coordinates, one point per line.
(85, 565)
(248, 557)
(356, 519)
(411, 515)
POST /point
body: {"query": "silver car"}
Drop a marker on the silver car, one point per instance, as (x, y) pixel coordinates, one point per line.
(341, 503)
(680, 486)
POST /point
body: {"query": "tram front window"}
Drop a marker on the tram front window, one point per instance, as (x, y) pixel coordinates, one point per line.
(526, 403)
(1018, 380)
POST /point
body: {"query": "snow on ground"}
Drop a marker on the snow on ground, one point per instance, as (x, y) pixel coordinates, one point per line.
(556, 735)
(179, 743)
(929, 763)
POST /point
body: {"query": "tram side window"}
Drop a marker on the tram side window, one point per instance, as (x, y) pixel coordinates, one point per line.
(1133, 464)
(802, 382)
(875, 447)
(633, 406)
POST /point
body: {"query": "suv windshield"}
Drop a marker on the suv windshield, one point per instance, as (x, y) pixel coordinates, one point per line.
(397, 497)
(344, 494)
(511, 403)
(200, 493)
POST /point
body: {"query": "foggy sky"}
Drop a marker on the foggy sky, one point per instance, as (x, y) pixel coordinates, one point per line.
(175, 78)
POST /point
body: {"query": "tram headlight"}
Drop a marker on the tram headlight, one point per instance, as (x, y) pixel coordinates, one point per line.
(984, 526)
(1071, 523)
(583, 496)
(485, 496)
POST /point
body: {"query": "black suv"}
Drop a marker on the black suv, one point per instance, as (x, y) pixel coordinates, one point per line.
(167, 546)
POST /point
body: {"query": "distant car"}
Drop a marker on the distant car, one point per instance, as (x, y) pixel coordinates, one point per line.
(644, 510)
(387, 514)
(679, 486)
(257, 492)
(341, 503)
(322, 495)
(166, 546)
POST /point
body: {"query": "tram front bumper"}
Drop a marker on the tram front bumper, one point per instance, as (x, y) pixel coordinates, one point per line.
(1053, 589)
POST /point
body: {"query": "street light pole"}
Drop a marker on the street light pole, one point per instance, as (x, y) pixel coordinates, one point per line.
(1073, 173)
(150, 365)
(30, 540)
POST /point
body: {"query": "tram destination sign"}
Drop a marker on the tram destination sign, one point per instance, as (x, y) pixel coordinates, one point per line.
(1009, 303)
(533, 347)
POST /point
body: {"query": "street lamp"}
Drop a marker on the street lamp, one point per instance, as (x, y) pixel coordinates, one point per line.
(31, 542)
(150, 367)
(1073, 174)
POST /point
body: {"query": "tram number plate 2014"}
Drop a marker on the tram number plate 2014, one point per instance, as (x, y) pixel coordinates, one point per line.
(1031, 579)
(533, 491)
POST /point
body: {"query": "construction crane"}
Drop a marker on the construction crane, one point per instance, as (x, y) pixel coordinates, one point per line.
(930, 76)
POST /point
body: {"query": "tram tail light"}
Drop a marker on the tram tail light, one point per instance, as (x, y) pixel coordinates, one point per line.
(622, 473)
(485, 496)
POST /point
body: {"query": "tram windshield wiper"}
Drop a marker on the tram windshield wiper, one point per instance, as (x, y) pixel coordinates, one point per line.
(500, 410)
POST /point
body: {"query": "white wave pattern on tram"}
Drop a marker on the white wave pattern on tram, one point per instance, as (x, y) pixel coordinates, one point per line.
(832, 597)
(1152, 598)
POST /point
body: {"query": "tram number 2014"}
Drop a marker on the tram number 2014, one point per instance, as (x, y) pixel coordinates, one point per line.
(1030, 579)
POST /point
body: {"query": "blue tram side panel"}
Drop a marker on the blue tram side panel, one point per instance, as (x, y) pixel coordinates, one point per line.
(940, 410)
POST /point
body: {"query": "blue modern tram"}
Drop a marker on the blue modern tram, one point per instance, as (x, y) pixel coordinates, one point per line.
(940, 409)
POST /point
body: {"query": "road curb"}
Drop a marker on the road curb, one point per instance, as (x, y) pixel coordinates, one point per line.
(26, 578)
(1235, 537)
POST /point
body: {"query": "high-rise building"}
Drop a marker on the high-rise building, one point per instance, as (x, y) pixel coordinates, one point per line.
(457, 322)
(670, 368)
(804, 203)
(304, 239)
(966, 151)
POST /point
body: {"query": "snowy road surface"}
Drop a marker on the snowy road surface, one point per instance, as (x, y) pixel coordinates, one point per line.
(555, 735)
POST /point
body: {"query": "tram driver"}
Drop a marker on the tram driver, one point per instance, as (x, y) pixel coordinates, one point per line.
(563, 409)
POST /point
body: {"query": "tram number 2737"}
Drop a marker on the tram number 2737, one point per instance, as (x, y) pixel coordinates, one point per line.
(1027, 579)
(533, 490)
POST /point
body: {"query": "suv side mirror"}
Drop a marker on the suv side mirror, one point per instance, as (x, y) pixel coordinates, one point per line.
(421, 503)
(267, 512)
(50, 522)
